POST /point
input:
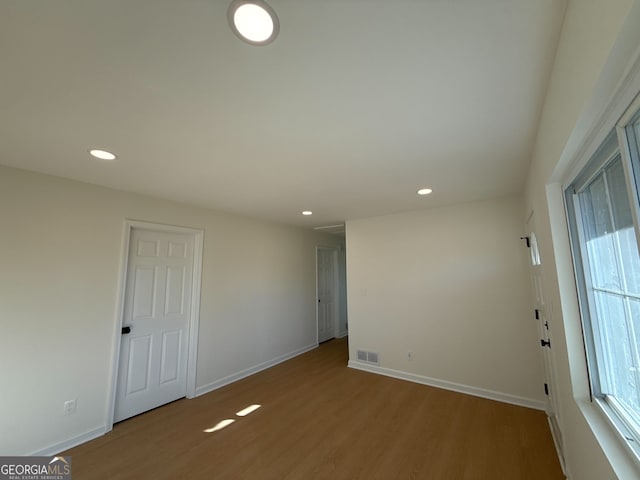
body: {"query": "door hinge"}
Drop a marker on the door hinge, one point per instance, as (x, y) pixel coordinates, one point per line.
(545, 343)
(546, 389)
(546, 325)
(526, 239)
(537, 312)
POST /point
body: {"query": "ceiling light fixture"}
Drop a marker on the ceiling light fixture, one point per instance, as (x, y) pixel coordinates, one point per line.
(424, 191)
(254, 21)
(307, 212)
(102, 154)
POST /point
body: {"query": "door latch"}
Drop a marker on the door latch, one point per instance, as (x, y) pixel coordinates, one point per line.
(126, 330)
(545, 343)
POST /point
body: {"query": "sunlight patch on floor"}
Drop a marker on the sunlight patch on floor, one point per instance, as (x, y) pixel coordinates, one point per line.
(220, 425)
(225, 423)
(246, 411)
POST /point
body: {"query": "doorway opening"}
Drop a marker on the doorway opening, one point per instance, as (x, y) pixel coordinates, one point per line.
(331, 306)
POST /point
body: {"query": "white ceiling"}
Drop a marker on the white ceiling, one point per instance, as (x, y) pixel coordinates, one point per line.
(356, 105)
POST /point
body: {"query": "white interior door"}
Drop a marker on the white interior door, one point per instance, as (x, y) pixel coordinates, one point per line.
(327, 291)
(152, 369)
(543, 318)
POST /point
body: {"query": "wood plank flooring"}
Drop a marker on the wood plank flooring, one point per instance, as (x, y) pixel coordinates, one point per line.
(321, 420)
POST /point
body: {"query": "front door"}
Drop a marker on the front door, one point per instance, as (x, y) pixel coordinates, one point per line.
(153, 354)
(543, 318)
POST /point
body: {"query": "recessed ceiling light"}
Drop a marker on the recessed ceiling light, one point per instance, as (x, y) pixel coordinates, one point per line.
(424, 191)
(253, 21)
(307, 212)
(102, 154)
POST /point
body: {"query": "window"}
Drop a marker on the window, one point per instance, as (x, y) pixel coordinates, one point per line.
(602, 206)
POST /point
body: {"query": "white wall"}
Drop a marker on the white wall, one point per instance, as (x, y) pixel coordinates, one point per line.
(452, 286)
(598, 41)
(61, 248)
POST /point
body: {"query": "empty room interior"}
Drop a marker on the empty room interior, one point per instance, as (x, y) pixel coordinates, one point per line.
(353, 241)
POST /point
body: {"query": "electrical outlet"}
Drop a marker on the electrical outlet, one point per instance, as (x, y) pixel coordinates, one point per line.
(70, 407)
(409, 355)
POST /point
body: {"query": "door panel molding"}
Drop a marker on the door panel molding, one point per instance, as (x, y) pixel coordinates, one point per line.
(194, 315)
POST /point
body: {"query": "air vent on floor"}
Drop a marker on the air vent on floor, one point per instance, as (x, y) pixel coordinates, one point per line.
(369, 357)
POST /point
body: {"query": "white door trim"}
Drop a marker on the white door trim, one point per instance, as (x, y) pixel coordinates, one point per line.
(194, 316)
(336, 289)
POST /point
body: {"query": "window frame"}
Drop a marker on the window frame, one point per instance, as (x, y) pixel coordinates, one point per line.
(623, 142)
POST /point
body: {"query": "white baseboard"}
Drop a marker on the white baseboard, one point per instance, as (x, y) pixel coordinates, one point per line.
(210, 387)
(70, 443)
(446, 385)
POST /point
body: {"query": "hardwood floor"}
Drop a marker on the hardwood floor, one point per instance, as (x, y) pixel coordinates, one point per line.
(319, 419)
